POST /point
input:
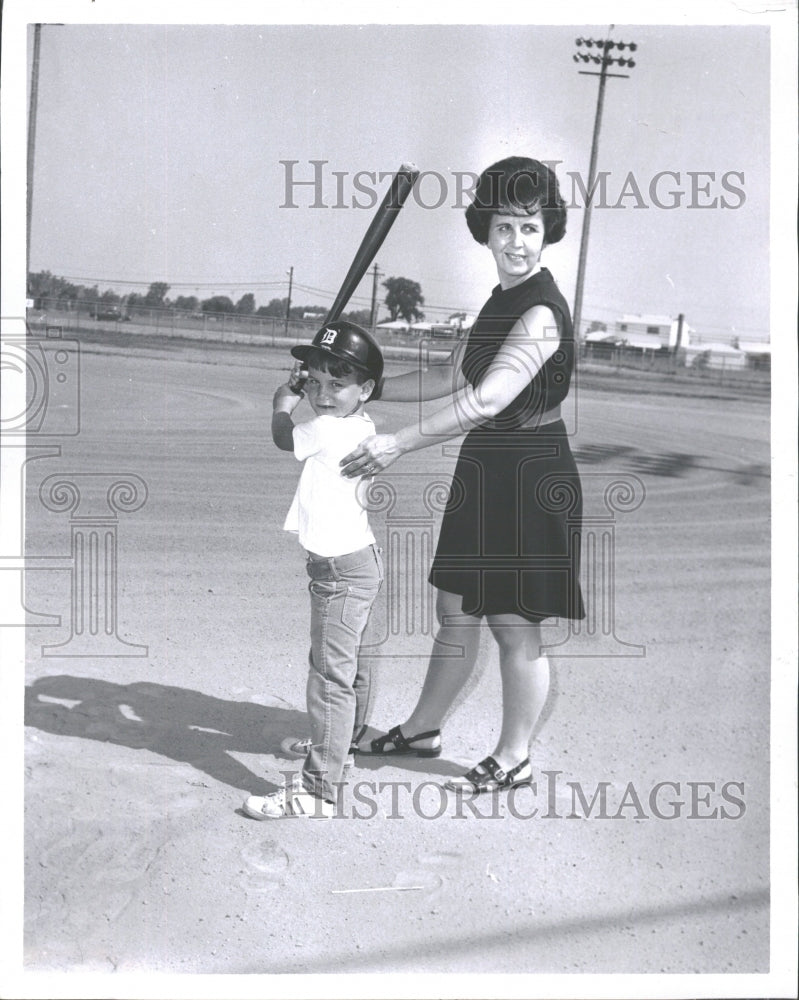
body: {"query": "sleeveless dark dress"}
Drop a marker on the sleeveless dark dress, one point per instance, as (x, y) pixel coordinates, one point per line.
(510, 536)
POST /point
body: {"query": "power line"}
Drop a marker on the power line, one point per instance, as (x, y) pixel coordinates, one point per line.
(174, 284)
(241, 285)
(609, 312)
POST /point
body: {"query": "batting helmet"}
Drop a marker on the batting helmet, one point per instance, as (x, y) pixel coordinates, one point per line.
(349, 343)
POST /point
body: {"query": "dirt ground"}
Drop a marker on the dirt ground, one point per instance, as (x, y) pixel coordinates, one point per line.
(138, 856)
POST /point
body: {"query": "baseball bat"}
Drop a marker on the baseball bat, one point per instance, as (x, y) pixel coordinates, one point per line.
(401, 186)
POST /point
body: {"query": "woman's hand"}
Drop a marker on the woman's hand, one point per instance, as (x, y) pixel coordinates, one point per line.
(373, 454)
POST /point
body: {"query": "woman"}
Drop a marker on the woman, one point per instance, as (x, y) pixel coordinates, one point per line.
(509, 547)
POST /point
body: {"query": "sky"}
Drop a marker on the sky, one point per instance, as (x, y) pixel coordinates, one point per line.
(160, 156)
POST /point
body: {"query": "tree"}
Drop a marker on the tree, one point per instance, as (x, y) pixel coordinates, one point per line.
(276, 307)
(46, 285)
(217, 304)
(90, 295)
(403, 297)
(363, 317)
(67, 293)
(156, 294)
(187, 302)
(43, 283)
(246, 304)
(597, 325)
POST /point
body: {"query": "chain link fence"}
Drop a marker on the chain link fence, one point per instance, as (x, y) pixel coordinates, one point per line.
(74, 316)
(699, 367)
(749, 373)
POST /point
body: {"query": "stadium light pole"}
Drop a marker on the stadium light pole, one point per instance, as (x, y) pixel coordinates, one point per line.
(603, 59)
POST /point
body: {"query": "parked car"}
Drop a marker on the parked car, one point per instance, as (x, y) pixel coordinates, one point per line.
(108, 312)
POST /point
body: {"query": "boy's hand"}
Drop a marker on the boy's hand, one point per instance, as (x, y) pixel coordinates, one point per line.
(298, 378)
(285, 399)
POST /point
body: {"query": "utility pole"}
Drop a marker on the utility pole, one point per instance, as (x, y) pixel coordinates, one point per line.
(290, 273)
(678, 340)
(373, 316)
(603, 60)
(32, 109)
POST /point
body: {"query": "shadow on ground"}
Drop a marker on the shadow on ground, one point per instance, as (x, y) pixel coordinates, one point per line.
(183, 725)
(672, 464)
(178, 723)
(522, 936)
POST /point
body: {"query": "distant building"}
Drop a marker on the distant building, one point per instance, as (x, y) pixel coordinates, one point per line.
(461, 321)
(651, 331)
(394, 325)
(636, 334)
(758, 354)
(455, 326)
(717, 355)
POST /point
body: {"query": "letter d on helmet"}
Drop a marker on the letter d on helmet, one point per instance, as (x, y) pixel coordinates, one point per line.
(347, 342)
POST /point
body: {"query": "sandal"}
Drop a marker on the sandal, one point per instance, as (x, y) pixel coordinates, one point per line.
(488, 776)
(401, 745)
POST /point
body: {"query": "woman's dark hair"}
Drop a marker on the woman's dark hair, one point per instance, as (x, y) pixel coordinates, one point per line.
(517, 186)
(338, 368)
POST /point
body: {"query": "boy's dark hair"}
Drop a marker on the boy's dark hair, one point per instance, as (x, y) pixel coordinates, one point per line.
(326, 362)
(517, 185)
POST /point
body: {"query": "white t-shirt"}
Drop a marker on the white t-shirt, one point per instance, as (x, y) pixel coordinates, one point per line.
(326, 511)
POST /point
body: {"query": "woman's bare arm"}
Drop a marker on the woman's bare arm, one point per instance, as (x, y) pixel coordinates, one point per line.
(434, 381)
(532, 340)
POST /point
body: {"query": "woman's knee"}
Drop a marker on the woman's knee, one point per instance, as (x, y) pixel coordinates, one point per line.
(516, 635)
(456, 631)
(449, 610)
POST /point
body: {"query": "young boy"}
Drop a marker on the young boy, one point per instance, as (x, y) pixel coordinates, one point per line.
(343, 562)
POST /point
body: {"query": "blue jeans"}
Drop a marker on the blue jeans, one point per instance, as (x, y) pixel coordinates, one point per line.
(342, 589)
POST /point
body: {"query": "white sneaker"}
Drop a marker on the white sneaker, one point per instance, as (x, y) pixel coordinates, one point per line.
(295, 746)
(288, 803)
(298, 747)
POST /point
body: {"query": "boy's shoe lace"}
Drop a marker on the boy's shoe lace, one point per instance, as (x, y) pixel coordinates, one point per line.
(291, 802)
